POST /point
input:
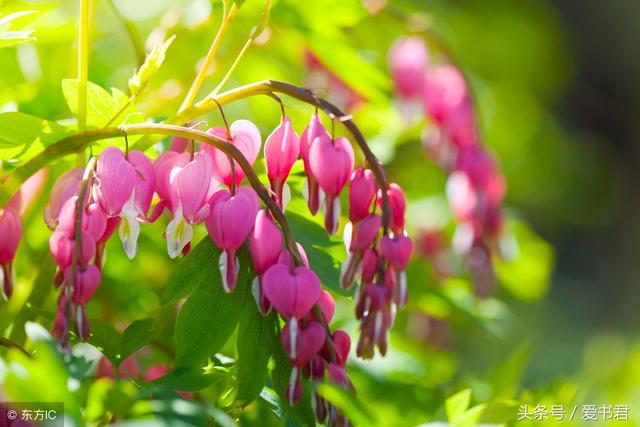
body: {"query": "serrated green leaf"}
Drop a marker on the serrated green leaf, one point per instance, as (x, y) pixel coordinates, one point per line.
(264, 20)
(152, 63)
(209, 316)
(18, 129)
(197, 267)
(101, 105)
(137, 334)
(14, 38)
(255, 337)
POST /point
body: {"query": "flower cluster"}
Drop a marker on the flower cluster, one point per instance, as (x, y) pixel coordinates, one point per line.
(475, 186)
(204, 185)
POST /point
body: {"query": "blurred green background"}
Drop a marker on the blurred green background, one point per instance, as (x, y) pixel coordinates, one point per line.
(557, 88)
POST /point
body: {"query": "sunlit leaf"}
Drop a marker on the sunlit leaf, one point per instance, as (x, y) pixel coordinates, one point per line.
(152, 63)
(14, 38)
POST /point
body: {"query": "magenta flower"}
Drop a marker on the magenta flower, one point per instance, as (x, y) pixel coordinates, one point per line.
(246, 137)
(87, 281)
(311, 191)
(397, 250)
(11, 232)
(189, 186)
(178, 144)
(408, 61)
(327, 306)
(398, 206)
(61, 246)
(162, 168)
(301, 344)
(145, 181)
(265, 245)
(342, 345)
(115, 180)
(292, 292)
(331, 162)
(358, 237)
(229, 224)
(94, 220)
(362, 192)
(67, 185)
(281, 150)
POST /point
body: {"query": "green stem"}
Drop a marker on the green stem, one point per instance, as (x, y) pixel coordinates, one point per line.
(134, 34)
(232, 68)
(83, 61)
(227, 16)
(6, 342)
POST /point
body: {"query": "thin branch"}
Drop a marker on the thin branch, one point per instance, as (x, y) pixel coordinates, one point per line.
(6, 342)
(83, 61)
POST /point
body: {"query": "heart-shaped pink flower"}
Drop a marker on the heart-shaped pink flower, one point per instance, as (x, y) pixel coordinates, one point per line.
(265, 243)
(292, 292)
(115, 181)
(397, 250)
(66, 186)
(362, 191)
(87, 281)
(245, 136)
(300, 344)
(331, 162)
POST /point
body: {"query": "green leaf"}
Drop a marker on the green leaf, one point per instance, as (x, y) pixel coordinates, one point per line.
(101, 105)
(456, 405)
(347, 403)
(255, 338)
(117, 348)
(106, 339)
(152, 63)
(14, 38)
(320, 250)
(136, 336)
(302, 413)
(264, 20)
(18, 129)
(187, 379)
(209, 316)
(196, 268)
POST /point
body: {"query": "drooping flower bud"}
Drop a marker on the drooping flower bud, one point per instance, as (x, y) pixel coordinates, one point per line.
(67, 185)
(87, 281)
(231, 219)
(246, 137)
(115, 180)
(398, 204)
(145, 181)
(265, 245)
(301, 344)
(311, 190)
(342, 345)
(327, 306)
(281, 150)
(292, 292)
(362, 192)
(189, 185)
(294, 387)
(11, 233)
(331, 163)
(94, 220)
(408, 61)
(397, 250)
(61, 245)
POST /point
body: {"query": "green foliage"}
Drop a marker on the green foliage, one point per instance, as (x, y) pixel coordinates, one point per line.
(102, 107)
(151, 65)
(116, 347)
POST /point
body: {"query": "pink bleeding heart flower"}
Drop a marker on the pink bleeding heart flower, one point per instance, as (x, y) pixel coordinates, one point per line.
(115, 180)
(178, 144)
(61, 245)
(265, 245)
(66, 186)
(462, 196)
(311, 191)
(358, 237)
(11, 232)
(265, 242)
(292, 292)
(281, 150)
(331, 162)
(28, 193)
(443, 91)
(301, 344)
(398, 204)
(246, 137)
(397, 250)
(342, 345)
(408, 61)
(327, 306)
(362, 192)
(162, 168)
(229, 224)
(189, 185)
(338, 375)
(94, 220)
(369, 265)
(87, 281)
(286, 258)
